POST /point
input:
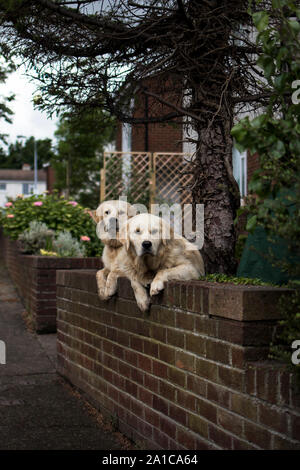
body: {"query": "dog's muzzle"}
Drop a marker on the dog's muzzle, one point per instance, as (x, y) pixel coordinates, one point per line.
(147, 246)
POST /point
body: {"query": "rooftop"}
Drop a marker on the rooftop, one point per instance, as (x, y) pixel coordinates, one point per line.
(21, 175)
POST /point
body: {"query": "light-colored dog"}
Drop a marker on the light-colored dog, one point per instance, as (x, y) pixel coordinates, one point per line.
(152, 255)
(109, 217)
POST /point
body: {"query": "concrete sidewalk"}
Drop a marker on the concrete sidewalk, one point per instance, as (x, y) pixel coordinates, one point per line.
(37, 409)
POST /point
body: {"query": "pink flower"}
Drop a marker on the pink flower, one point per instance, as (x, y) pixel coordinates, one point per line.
(38, 203)
(8, 204)
(10, 216)
(73, 203)
(84, 238)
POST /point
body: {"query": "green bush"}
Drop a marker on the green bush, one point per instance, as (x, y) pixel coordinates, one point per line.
(38, 236)
(57, 212)
(66, 245)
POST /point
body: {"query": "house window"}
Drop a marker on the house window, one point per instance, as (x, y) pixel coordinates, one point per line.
(239, 164)
(2, 186)
(27, 188)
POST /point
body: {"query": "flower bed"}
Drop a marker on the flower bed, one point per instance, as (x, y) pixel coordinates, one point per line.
(35, 280)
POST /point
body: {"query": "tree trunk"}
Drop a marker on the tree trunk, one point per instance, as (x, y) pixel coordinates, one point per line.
(215, 187)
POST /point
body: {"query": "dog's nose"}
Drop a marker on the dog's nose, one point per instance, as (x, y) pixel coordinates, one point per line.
(146, 244)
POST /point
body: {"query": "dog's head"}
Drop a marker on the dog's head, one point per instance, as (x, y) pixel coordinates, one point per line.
(110, 216)
(146, 234)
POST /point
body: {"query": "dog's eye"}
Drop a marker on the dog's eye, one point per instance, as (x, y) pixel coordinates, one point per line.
(137, 230)
(106, 212)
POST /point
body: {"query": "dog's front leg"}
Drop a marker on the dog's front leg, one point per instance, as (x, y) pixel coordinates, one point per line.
(182, 272)
(141, 296)
(111, 284)
(101, 277)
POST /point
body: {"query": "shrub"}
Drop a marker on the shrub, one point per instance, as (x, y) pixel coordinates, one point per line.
(66, 245)
(57, 212)
(38, 236)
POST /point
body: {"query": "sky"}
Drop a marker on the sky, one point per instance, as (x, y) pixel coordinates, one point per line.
(27, 121)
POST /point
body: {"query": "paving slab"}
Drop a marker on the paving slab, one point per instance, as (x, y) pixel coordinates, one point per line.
(37, 409)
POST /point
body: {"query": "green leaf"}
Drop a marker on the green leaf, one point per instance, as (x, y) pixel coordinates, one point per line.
(278, 150)
(294, 25)
(251, 223)
(261, 20)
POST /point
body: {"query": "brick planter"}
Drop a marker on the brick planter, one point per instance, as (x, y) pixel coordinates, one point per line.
(190, 374)
(35, 280)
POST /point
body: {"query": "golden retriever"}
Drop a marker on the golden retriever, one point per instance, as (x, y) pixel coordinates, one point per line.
(109, 217)
(152, 254)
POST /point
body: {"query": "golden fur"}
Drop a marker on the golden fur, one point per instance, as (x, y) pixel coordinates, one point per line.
(114, 209)
(169, 257)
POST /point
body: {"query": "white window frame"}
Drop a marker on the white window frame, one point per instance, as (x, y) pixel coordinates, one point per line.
(240, 170)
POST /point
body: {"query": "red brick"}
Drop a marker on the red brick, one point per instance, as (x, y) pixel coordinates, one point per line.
(185, 361)
(185, 320)
(206, 369)
(220, 437)
(166, 354)
(175, 338)
(257, 435)
(270, 417)
(196, 344)
(167, 390)
(198, 425)
(167, 426)
(176, 376)
(218, 394)
(145, 396)
(160, 405)
(244, 406)
(230, 422)
(186, 438)
(152, 383)
(160, 369)
(178, 414)
(186, 400)
(197, 385)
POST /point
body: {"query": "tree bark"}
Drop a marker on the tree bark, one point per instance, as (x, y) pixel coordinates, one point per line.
(215, 187)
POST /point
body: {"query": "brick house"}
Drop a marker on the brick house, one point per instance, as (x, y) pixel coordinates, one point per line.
(163, 137)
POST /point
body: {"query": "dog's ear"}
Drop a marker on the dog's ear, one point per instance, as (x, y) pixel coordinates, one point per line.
(124, 236)
(94, 216)
(167, 233)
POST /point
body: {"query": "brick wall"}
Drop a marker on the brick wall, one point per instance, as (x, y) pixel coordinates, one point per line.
(190, 374)
(162, 137)
(252, 165)
(35, 280)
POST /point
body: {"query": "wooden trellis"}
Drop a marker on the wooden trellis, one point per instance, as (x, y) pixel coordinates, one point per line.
(146, 177)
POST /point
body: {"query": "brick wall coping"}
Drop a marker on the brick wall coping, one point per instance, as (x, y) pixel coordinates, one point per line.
(53, 262)
(241, 303)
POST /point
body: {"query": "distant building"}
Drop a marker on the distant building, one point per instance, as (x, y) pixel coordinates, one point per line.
(14, 182)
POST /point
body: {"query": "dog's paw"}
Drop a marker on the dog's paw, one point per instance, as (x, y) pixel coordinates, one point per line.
(143, 303)
(156, 287)
(102, 295)
(110, 290)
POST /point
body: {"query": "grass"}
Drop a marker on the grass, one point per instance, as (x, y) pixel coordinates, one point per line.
(241, 281)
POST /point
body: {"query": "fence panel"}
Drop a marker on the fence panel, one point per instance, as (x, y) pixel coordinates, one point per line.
(146, 178)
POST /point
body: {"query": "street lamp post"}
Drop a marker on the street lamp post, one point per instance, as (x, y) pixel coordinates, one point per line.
(35, 168)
